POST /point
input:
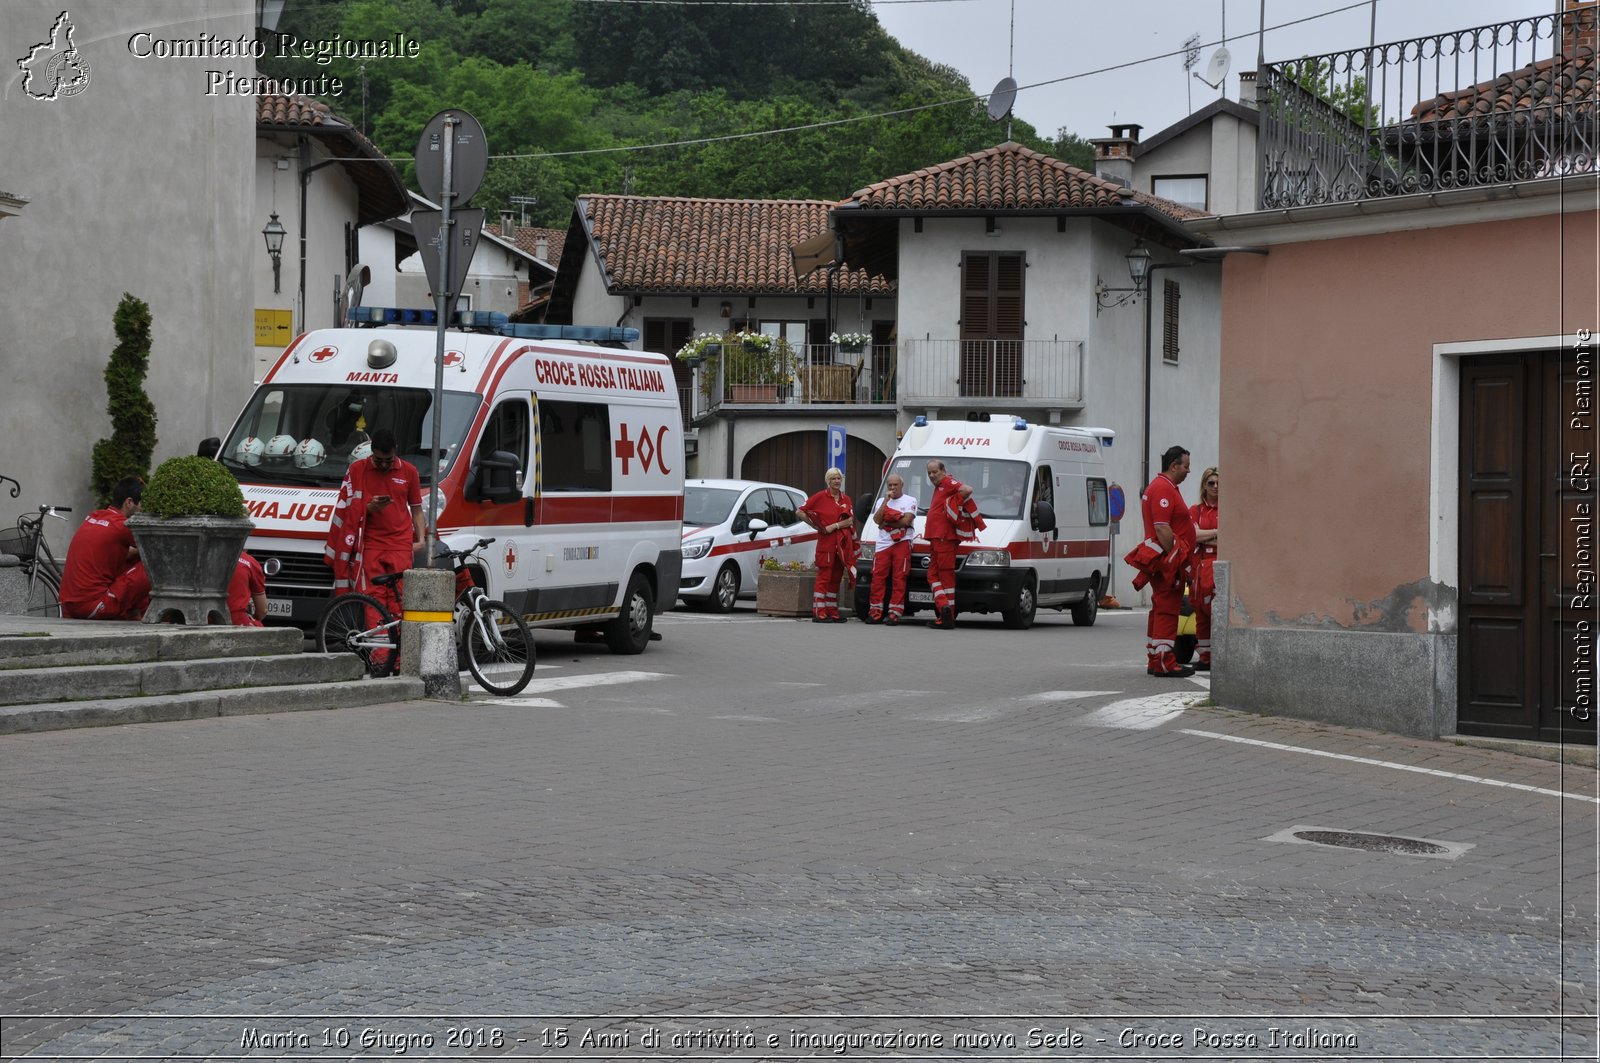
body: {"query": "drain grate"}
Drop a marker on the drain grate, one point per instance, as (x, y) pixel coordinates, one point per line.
(1372, 843)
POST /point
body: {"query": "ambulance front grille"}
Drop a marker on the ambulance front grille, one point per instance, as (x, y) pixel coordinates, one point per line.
(299, 575)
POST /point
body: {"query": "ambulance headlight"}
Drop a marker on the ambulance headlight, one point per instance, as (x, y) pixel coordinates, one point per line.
(868, 551)
(988, 559)
(695, 549)
(381, 354)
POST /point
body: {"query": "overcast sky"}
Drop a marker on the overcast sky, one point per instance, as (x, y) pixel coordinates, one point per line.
(1063, 38)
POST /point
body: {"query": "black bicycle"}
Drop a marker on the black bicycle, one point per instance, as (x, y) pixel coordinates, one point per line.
(27, 542)
(494, 642)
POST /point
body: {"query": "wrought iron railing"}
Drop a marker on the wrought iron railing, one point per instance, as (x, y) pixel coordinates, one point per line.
(1512, 101)
(1004, 372)
(812, 375)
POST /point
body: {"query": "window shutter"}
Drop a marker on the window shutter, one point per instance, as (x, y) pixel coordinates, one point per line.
(1169, 322)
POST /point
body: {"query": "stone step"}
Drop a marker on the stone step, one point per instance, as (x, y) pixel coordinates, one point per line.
(57, 643)
(203, 704)
(36, 686)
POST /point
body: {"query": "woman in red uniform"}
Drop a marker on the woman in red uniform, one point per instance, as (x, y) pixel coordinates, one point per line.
(1203, 589)
(828, 511)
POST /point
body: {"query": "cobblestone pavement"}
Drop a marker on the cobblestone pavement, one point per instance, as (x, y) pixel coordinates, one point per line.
(857, 842)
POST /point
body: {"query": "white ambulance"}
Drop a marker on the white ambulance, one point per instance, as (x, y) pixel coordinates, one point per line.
(568, 453)
(1044, 494)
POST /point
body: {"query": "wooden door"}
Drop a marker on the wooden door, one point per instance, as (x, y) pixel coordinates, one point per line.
(1527, 508)
(992, 323)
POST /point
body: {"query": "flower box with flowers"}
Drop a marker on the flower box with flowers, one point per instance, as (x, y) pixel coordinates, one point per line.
(851, 342)
(751, 366)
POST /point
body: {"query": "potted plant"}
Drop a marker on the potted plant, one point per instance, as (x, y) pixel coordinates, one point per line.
(753, 366)
(191, 526)
(785, 588)
(696, 351)
(851, 342)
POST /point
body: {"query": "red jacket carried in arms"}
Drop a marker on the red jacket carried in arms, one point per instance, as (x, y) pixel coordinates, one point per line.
(949, 515)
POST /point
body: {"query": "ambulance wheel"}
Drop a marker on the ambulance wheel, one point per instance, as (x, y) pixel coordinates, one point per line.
(1084, 612)
(1021, 617)
(630, 631)
(724, 590)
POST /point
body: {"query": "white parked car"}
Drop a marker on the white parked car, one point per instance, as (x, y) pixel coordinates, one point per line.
(729, 528)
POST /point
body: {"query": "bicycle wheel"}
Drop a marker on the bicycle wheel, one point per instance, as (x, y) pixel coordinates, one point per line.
(359, 624)
(500, 649)
(44, 596)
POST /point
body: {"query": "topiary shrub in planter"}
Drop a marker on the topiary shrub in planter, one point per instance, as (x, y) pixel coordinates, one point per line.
(190, 529)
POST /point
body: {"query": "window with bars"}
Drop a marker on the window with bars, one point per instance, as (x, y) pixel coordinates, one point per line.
(1169, 321)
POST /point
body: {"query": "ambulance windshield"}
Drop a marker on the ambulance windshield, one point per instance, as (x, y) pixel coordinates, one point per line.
(999, 487)
(308, 434)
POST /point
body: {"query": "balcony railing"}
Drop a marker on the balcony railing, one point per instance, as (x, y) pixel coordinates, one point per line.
(1512, 101)
(819, 375)
(998, 372)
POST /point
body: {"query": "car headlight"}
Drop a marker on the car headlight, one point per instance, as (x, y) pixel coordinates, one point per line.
(867, 551)
(696, 548)
(989, 559)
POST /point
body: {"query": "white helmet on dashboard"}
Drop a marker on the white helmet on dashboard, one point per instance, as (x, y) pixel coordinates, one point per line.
(281, 447)
(309, 454)
(362, 449)
(250, 450)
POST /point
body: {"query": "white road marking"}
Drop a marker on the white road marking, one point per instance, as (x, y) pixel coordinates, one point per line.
(1141, 714)
(1070, 695)
(1397, 766)
(529, 703)
(578, 682)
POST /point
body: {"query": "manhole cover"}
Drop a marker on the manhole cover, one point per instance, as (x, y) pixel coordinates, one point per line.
(1373, 843)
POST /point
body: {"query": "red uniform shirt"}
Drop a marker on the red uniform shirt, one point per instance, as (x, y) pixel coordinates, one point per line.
(390, 526)
(1205, 519)
(824, 510)
(249, 580)
(1163, 504)
(97, 555)
(942, 510)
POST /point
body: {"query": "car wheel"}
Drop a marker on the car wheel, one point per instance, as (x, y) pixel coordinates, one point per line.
(725, 590)
(629, 633)
(1084, 613)
(1020, 616)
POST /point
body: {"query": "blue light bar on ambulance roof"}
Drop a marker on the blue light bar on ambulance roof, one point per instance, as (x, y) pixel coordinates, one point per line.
(491, 321)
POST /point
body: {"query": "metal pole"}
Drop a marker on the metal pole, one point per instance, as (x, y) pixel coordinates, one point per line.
(442, 301)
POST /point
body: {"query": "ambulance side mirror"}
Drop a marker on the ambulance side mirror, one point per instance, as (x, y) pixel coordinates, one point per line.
(1044, 517)
(495, 478)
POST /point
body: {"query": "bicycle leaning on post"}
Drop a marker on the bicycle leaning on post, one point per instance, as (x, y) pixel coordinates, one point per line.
(27, 542)
(494, 642)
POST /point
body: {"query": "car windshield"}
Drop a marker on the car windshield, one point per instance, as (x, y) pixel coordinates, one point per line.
(308, 434)
(998, 486)
(705, 506)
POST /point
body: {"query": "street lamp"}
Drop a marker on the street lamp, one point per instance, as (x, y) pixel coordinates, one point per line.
(274, 232)
(1138, 268)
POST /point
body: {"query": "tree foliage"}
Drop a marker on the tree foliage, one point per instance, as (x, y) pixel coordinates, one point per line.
(127, 451)
(556, 83)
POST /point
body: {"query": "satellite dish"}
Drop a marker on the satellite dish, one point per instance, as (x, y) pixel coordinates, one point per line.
(355, 284)
(1001, 99)
(1217, 69)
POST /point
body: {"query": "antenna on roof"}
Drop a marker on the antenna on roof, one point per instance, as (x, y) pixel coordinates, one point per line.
(1191, 56)
(1221, 61)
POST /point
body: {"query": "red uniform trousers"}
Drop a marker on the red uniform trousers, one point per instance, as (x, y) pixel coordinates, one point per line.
(1201, 593)
(831, 569)
(1166, 602)
(126, 599)
(890, 565)
(942, 573)
(380, 561)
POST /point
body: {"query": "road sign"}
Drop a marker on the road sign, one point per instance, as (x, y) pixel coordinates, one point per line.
(468, 225)
(1118, 502)
(836, 439)
(469, 157)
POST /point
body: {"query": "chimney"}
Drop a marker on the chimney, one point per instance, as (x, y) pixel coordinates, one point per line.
(541, 249)
(1578, 27)
(1113, 155)
(508, 228)
(1247, 88)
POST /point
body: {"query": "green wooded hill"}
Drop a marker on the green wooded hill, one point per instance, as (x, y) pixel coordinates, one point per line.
(558, 82)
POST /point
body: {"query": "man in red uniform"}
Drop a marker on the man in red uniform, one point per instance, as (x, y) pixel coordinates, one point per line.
(371, 533)
(952, 518)
(828, 511)
(247, 590)
(891, 556)
(1167, 523)
(103, 578)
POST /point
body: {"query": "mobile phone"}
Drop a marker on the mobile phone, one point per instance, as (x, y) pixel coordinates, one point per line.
(382, 498)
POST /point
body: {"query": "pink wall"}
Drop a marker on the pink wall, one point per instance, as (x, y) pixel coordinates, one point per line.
(1327, 402)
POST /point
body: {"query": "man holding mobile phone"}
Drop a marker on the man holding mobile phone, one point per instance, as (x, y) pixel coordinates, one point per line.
(377, 521)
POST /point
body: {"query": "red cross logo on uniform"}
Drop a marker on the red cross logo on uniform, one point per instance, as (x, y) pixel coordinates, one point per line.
(322, 354)
(624, 449)
(453, 359)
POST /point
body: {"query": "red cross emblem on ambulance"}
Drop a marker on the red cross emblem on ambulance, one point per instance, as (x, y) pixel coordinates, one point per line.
(323, 354)
(453, 359)
(509, 557)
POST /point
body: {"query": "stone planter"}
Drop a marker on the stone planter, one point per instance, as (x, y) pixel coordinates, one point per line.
(752, 393)
(190, 561)
(785, 592)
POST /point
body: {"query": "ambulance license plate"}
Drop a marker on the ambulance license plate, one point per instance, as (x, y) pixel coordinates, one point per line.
(922, 597)
(280, 607)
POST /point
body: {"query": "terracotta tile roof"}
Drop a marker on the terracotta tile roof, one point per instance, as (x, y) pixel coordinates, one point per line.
(1007, 178)
(528, 237)
(382, 194)
(1534, 90)
(665, 244)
